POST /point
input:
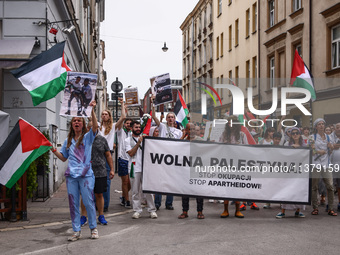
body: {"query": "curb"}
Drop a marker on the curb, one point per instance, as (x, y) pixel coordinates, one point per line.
(59, 222)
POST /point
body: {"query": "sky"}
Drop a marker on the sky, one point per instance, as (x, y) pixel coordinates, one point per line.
(134, 32)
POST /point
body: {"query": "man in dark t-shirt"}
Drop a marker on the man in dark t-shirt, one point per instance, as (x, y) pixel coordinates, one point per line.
(99, 155)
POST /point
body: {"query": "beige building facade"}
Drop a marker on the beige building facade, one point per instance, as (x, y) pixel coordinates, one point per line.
(198, 63)
(313, 29)
(235, 49)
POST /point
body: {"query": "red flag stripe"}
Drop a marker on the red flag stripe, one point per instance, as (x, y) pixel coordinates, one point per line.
(31, 138)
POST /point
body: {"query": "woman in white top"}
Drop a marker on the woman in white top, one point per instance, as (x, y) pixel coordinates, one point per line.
(322, 149)
(107, 129)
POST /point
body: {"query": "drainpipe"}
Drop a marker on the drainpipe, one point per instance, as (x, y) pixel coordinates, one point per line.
(258, 54)
(310, 56)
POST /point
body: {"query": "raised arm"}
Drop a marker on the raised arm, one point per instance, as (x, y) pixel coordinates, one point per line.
(120, 122)
(279, 126)
(94, 118)
(154, 112)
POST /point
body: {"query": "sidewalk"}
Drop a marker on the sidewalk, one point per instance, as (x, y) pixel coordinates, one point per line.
(55, 210)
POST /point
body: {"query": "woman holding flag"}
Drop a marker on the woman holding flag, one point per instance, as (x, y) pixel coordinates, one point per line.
(79, 175)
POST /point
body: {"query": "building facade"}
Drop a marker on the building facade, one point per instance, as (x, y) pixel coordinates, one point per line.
(26, 29)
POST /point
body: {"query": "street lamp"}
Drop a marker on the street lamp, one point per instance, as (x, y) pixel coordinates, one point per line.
(116, 87)
(165, 49)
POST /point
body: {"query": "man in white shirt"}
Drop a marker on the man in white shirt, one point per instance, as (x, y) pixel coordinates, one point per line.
(167, 131)
(133, 147)
(123, 161)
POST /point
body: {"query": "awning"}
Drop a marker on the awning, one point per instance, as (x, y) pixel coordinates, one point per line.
(15, 52)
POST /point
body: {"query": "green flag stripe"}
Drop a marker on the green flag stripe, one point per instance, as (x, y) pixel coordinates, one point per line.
(302, 83)
(48, 90)
(21, 170)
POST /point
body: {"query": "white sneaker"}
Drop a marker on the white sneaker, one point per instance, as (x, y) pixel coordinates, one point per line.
(153, 215)
(94, 233)
(211, 200)
(75, 236)
(136, 215)
(221, 201)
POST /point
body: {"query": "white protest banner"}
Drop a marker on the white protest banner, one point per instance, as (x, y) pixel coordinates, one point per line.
(161, 88)
(131, 96)
(236, 172)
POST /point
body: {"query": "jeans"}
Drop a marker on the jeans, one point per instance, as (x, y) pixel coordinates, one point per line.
(106, 194)
(158, 200)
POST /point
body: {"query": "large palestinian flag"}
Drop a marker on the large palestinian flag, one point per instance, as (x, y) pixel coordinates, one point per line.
(181, 110)
(301, 77)
(24, 144)
(44, 76)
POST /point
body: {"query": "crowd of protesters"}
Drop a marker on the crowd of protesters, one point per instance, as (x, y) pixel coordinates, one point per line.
(89, 150)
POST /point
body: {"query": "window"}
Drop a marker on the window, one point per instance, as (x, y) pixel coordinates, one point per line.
(247, 73)
(219, 8)
(221, 90)
(271, 13)
(236, 32)
(222, 45)
(230, 80)
(272, 72)
(247, 23)
(296, 5)
(199, 57)
(254, 71)
(236, 75)
(230, 37)
(298, 47)
(254, 17)
(336, 47)
(217, 47)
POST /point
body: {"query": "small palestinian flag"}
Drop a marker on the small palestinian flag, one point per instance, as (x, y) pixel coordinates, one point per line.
(181, 111)
(24, 144)
(44, 76)
(301, 77)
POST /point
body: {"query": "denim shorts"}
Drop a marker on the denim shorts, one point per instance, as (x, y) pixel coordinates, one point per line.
(123, 167)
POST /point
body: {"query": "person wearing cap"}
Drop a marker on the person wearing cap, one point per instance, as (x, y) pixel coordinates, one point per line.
(322, 149)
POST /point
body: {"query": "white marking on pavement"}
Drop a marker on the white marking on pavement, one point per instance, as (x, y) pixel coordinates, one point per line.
(44, 251)
(120, 232)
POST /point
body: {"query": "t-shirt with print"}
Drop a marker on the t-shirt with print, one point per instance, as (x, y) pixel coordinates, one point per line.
(99, 147)
(169, 132)
(79, 159)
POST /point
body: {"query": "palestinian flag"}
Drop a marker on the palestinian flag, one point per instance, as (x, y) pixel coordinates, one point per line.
(24, 144)
(44, 76)
(181, 111)
(301, 77)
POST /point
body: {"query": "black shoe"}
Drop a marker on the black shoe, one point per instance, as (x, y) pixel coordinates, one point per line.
(68, 112)
(106, 209)
(84, 113)
(157, 207)
(79, 114)
(122, 201)
(127, 204)
(169, 207)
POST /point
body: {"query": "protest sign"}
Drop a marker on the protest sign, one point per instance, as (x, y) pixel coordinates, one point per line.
(221, 171)
(79, 91)
(161, 89)
(131, 96)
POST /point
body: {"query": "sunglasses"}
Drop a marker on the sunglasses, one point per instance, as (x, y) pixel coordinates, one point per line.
(294, 133)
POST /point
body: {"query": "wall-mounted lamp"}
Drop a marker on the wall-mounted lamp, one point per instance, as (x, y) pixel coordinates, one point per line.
(36, 42)
(69, 29)
(165, 49)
